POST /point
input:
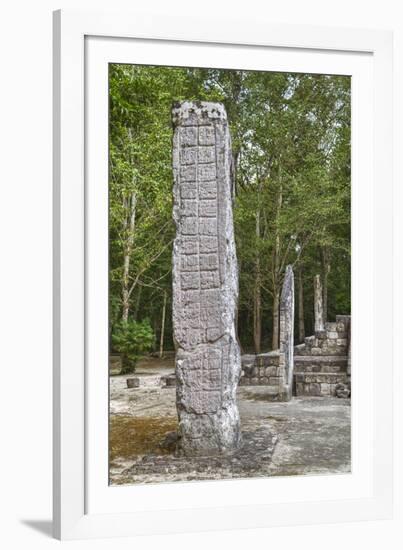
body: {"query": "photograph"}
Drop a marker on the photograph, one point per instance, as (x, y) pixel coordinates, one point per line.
(229, 274)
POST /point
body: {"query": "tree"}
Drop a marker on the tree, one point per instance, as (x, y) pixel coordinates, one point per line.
(291, 151)
(131, 339)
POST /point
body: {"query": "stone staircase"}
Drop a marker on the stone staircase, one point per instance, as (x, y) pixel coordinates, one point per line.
(320, 363)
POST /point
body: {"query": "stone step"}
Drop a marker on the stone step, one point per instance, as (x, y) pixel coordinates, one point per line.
(320, 363)
(320, 358)
(309, 340)
(318, 384)
(307, 369)
(299, 348)
(336, 351)
(320, 377)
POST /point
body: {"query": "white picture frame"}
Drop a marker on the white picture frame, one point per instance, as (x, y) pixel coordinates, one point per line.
(84, 506)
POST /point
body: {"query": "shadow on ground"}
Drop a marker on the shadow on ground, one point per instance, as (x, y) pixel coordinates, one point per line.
(43, 526)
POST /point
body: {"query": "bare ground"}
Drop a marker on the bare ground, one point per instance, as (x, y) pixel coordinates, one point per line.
(306, 436)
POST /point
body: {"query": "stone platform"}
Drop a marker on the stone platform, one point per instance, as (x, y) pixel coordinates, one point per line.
(319, 375)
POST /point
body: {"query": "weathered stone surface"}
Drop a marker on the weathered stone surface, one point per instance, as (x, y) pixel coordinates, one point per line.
(274, 370)
(343, 390)
(345, 321)
(287, 332)
(168, 381)
(205, 281)
(311, 436)
(318, 304)
(321, 364)
(133, 382)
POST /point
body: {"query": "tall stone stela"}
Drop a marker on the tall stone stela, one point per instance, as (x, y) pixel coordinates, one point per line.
(205, 281)
(287, 308)
(318, 304)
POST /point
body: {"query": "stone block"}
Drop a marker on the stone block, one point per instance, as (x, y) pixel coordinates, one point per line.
(133, 382)
(300, 388)
(331, 327)
(271, 371)
(314, 389)
(332, 335)
(342, 342)
(325, 389)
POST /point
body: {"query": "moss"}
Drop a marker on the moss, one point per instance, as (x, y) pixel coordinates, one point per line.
(131, 436)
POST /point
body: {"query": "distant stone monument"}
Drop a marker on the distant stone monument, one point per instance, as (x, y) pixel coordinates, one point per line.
(286, 361)
(205, 281)
(318, 304)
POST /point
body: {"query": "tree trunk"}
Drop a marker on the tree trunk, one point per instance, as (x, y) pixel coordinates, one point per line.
(325, 297)
(257, 317)
(137, 303)
(301, 322)
(318, 304)
(276, 319)
(163, 325)
(129, 229)
(257, 297)
(325, 273)
(277, 276)
(234, 172)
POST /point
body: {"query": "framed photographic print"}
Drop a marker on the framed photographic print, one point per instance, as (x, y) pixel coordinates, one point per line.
(222, 239)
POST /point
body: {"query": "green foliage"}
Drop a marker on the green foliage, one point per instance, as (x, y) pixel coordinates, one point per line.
(291, 148)
(132, 339)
